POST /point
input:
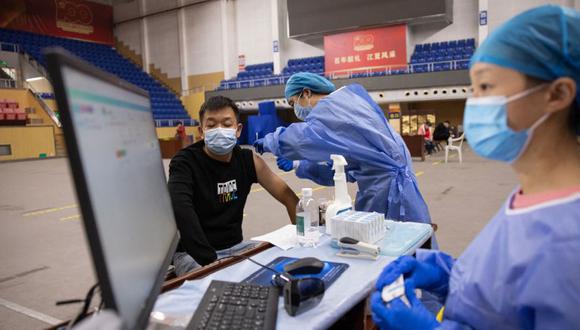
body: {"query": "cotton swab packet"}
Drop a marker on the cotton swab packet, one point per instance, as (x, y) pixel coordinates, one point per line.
(397, 290)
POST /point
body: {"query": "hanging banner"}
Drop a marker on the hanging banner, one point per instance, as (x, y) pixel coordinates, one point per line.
(241, 63)
(77, 19)
(371, 49)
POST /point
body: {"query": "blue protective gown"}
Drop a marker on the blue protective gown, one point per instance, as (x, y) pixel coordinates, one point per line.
(349, 123)
(521, 272)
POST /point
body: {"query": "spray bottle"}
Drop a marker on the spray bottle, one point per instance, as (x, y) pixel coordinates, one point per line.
(342, 201)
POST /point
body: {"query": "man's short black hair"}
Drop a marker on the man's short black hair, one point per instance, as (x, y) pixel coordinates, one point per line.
(216, 103)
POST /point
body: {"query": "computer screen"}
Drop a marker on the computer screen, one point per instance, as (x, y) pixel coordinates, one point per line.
(121, 186)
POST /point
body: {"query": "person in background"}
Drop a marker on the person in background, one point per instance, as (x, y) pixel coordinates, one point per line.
(180, 133)
(442, 132)
(521, 271)
(209, 183)
(425, 131)
(349, 123)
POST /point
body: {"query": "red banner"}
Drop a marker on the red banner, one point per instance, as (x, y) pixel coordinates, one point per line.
(373, 49)
(77, 19)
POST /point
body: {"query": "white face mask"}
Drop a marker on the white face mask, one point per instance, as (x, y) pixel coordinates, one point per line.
(220, 141)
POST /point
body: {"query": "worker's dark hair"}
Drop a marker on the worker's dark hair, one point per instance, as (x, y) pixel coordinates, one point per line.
(216, 103)
(179, 122)
(575, 116)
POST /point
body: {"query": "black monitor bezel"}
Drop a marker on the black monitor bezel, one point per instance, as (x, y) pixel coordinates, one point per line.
(56, 58)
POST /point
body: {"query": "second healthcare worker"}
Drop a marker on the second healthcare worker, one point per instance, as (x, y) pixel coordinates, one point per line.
(349, 123)
(522, 271)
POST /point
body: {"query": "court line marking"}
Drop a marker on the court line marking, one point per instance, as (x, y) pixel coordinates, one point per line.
(437, 162)
(49, 210)
(72, 217)
(28, 272)
(30, 312)
(419, 173)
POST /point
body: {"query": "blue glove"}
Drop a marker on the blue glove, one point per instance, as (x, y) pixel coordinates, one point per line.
(284, 164)
(396, 315)
(259, 146)
(423, 275)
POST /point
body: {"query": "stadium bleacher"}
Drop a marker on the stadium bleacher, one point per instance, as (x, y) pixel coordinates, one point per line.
(11, 114)
(442, 56)
(429, 57)
(258, 75)
(167, 108)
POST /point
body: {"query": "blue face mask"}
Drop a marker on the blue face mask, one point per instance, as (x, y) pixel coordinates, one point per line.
(300, 111)
(220, 141)
(487, 131)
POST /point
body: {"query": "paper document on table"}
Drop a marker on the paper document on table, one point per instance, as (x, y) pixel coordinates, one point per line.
(284, 238)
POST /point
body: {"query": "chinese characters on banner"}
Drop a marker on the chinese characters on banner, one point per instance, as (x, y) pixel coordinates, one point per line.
(77, 19)
(372, 49)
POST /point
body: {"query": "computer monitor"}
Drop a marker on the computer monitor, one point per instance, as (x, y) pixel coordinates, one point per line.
(120, 183)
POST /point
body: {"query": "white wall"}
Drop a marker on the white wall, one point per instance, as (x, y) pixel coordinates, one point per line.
(465, 25)
(293, 48)
(130, 34)
(125, 10)
(254, 30)
(501, 10)
(164, 43)
(204, 42)
(155, 6)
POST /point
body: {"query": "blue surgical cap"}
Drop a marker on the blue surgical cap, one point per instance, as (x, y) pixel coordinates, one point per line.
(301, 80)
(543, 43)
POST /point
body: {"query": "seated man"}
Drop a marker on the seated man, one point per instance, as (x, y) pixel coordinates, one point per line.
(209, 182)
(442, 132)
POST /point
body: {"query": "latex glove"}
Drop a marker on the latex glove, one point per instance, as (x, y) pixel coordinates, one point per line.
(397, 315)
(286, 165)
(259, 146)
(424, 275)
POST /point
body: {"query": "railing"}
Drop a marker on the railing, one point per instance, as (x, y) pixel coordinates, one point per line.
(7, 83)
(347, 74)
(9, 47)
(43, 104)
(173, 122)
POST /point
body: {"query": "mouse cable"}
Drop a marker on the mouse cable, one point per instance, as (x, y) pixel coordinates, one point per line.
(250, 259)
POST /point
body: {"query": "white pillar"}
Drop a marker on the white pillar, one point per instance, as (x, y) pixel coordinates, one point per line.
(229, 49)
(282, 20)
(483, 28)
(276, 58)
(144, 36)
(183, 51)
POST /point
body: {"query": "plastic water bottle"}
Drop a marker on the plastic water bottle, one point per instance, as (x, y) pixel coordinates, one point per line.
(307, 219)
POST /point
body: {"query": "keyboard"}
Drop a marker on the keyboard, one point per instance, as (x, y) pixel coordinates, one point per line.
(229, 305)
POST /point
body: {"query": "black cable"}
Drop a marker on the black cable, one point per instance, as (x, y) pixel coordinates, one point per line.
(250, 259)
(84, 310)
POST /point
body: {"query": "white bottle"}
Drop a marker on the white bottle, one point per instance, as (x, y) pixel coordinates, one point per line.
(307, 219)
(342, 201)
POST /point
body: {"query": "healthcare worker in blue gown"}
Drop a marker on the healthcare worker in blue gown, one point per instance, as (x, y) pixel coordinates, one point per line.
(523, 270)
(349, 123)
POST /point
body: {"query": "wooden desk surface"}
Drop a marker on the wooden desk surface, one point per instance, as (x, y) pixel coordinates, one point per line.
(213, 267)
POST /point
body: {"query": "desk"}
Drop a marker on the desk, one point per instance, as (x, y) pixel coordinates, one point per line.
(416, 145)
(353, 286)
